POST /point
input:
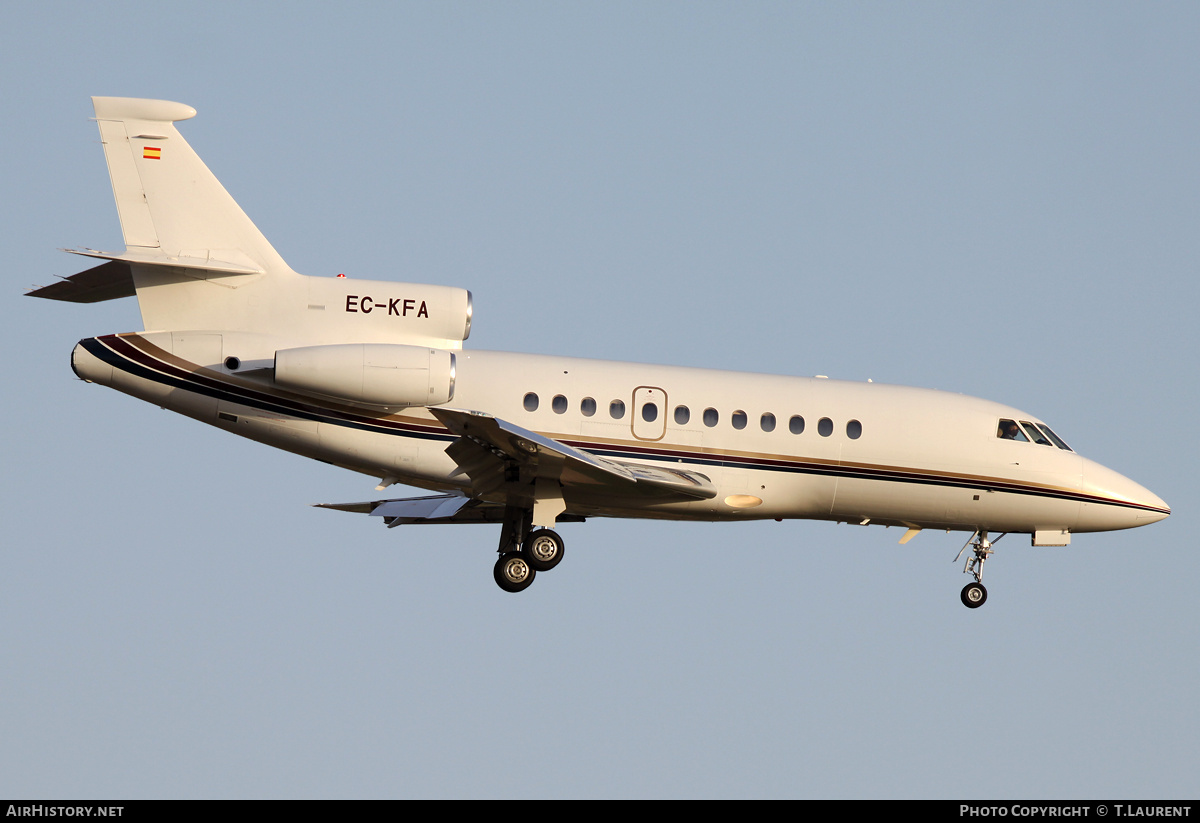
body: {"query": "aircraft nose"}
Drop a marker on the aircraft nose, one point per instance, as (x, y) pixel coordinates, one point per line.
(1113, 501)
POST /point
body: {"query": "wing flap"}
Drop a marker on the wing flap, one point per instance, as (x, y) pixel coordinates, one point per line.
(441, 508)
(421, 508)
(692, 484)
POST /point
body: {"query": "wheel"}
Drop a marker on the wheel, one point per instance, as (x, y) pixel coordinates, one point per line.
(974, 595)
(543, 549)
(513, 572)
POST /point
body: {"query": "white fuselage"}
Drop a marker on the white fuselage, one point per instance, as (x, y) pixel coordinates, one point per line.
(867, 452)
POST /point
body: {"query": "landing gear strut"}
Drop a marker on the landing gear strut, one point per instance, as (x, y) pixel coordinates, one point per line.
(524, 553)
(974, 594)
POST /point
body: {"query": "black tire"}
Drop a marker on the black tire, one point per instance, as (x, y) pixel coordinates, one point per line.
(513, 572)
(973, 595)
(543, 549)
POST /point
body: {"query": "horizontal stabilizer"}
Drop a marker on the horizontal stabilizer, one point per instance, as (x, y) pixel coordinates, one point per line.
(228, 262)
(107, 281)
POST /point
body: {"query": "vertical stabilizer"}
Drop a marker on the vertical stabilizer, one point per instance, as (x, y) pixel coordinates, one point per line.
(168, 201)
(203, 272)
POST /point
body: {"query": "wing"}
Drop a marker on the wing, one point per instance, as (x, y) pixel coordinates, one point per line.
(501, 457)
(441, 508)
(511, 466)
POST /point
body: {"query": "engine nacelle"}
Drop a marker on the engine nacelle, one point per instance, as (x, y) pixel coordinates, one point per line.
(377, 311)
(388, 375)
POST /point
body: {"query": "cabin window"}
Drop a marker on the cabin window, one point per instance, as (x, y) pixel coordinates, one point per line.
(796, 424)
(649, 412)
(682, 415)
(824, 427)
(711, 417)
(767, 421)
(587, 406)
(854, 430)
(559, 404)
(1009, 430)
(616, 409)
(739, 419)
(531, 402)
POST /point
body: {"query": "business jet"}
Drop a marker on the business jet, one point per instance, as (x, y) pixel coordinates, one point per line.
(372, 376)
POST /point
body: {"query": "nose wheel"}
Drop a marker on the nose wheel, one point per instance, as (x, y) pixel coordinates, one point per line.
(974, 594)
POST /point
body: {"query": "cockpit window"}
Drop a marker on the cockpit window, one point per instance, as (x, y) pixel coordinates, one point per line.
(1058, 441)
(1030, 432)
(1009, 430)
(1034, 434)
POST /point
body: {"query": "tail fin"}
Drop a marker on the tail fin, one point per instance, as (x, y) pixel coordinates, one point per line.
(173, 210)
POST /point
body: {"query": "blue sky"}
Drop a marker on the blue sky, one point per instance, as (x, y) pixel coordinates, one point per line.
(997, 199)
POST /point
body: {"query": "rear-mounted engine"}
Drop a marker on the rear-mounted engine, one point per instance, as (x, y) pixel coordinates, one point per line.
(386, 375)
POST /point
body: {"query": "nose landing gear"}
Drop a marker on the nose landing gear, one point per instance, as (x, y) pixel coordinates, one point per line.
(974, 594)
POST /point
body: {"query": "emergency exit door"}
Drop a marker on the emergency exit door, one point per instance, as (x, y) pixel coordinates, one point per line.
(649, 413)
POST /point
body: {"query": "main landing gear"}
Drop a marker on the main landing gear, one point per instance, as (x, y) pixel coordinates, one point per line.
(524, 553)
(974, 594)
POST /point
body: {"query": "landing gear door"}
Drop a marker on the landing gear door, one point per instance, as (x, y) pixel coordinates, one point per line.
(649, 413)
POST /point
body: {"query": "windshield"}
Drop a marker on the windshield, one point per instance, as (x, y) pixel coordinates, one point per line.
(1029, 432)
